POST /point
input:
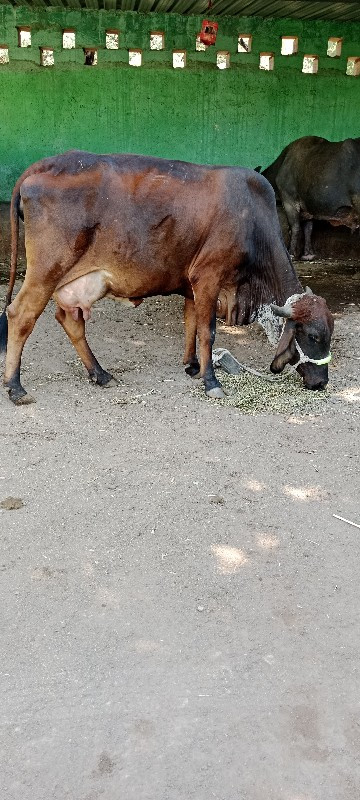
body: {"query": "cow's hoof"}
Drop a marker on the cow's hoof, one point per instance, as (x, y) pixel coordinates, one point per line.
(216, 393)
(102, 378)
(308, 257)
(193, 370)
(22, 399)
(110, 384)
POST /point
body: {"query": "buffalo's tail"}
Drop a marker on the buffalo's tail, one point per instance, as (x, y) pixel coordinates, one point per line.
(270, 173)
(14, 224)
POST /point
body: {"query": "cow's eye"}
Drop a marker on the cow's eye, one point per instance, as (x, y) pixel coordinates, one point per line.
(313, 338)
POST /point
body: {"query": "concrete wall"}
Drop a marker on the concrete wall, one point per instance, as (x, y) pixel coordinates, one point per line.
(237, 116)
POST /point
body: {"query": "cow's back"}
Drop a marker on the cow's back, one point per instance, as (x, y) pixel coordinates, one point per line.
(75, 162)
(139, 192)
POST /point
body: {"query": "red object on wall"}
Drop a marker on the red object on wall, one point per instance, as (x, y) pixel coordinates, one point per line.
(208, 32)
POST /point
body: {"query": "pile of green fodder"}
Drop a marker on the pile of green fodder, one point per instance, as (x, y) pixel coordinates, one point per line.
(259, 395)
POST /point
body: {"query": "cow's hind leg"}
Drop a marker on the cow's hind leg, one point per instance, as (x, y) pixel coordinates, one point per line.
(293, 217)
(205, 307)
(22, 314)
(190, 357)
(309, 254)
(75, 329)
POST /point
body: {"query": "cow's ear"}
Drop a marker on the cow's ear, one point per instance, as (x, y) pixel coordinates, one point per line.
(285, 349)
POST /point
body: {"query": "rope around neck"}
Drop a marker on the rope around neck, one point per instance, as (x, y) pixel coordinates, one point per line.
(304, 359)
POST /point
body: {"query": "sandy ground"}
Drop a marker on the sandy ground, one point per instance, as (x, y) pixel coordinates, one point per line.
(158, 645)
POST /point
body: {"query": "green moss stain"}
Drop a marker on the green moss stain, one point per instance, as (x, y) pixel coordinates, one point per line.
(237, 116)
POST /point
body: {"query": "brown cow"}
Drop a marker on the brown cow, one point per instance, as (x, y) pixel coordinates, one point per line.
(131, 227)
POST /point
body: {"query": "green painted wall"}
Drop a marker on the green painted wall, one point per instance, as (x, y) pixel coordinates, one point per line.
(237, 116)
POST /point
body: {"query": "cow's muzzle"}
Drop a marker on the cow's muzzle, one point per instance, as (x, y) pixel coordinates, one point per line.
(314, 378)
(314, 371)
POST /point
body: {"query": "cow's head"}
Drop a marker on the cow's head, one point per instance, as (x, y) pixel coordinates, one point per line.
(305, 339)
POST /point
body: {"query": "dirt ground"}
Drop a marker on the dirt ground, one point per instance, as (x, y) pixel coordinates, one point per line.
(180, 607)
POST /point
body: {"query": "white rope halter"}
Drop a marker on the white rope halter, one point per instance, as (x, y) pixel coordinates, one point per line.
(303, 359)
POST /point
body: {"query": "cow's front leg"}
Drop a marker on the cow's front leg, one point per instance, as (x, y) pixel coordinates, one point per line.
(75, 329)
(309, 255)
(190, 357)
(206, 328)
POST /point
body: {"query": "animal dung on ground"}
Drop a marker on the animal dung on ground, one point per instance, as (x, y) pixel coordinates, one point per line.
(216, 499)
(11, 503)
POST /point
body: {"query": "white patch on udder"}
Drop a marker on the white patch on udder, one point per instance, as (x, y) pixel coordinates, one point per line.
(81, 294)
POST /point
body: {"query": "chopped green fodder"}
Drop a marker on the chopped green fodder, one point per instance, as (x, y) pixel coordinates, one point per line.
(253, 395)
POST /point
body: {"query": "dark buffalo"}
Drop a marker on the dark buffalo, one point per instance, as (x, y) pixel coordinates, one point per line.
(317, 179)
(131, 227)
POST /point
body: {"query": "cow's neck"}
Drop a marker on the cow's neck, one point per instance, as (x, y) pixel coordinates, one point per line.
(279, 282)
(286, 278)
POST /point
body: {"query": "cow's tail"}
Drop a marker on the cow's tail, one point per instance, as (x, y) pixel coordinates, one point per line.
(14, 224)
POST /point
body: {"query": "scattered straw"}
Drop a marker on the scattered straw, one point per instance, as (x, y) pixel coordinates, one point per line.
(252, 395)
(135, 399)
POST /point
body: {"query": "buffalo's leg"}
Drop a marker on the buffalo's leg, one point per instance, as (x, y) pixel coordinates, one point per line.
(190, 357)
(293, 217)
(22, 314)
(309, 255)
(205, 307)
(75, 330)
